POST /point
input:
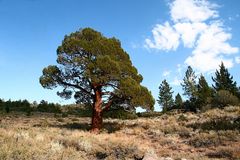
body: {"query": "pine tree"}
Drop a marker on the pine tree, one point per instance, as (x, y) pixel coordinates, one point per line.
(178, 101)
(165, 96)
(189, 84)
(204, 92)
(224, 81)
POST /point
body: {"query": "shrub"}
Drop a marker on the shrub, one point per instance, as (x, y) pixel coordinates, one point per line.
(205, 140)
(44, 106)
(221, 124)
(149, 114)
(64, 115)
(223, 153)
(217, 124)
(182, 118)
(228, 152)
(224, 98)
(214, 138)
(120, 113)
(78, 109)
(190, 105)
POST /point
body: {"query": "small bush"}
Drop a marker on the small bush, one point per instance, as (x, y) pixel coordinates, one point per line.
(232, 109)
(182, 118)
(64, 115)
(223, 153)
(206, 107)
(81, 111)
(119, 114)
(228, 152)
(213, 138)
(223, 123)
(60, 120)
(224, 98)
(149, 114)
(44, 106)
(205, 140)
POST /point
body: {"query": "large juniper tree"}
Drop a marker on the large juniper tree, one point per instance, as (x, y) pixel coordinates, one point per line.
(165, 96)
(97, 71)
(224, 81)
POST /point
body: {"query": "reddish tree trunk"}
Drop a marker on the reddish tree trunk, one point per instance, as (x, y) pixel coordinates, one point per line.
(97, 118)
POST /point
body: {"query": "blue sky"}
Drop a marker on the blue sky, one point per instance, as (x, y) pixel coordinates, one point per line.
(162, 38)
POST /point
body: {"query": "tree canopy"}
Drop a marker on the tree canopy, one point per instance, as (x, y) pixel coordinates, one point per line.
(204, 92)
(189, 83)
(178, 101)
(165, 96)
(96, 70)
(224, 81)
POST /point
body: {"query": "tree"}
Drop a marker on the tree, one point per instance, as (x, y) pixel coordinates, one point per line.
(1, 104)
(7, 106)
(96, 70)
(165, 96)
(189, 83)
(224, 81)
(178, 101)
(204, 92)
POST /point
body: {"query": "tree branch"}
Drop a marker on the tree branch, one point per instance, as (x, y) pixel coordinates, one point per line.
(108, 105)
(75, 86)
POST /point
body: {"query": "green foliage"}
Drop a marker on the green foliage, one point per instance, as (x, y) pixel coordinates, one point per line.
(204, 93)
(19, 106)
(149, 114)
(189, 83)
(182, 118)
(224, 81)
(1, 104)
(7, 106)
(222, 124)
(79, 110)
(88, 63)
(178, 101)
(64, 115)
(190, 105)
(120, 113)
(44, 106)
(165, 96)
(224, 98)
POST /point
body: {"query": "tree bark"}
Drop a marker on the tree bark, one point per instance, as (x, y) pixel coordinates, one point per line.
(97, 118)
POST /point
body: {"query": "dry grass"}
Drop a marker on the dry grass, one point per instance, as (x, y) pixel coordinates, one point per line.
(176, 136)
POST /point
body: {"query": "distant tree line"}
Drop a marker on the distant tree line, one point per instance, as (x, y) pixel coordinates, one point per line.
(200, 96)
(26, 106)
(80, 110)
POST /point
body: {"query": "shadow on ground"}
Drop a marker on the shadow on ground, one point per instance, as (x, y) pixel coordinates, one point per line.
(109, 127)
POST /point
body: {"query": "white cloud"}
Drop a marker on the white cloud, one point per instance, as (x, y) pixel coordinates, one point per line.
(166, 73)
(210, 49)
(192, 10)
(189, 32)
(209, 64)
(237, 60)
(164, 38)
(176, 81)
(195, 24)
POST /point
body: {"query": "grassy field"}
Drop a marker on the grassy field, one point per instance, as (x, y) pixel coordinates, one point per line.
(214, 134)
